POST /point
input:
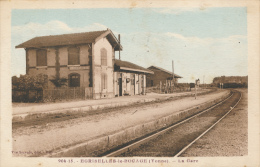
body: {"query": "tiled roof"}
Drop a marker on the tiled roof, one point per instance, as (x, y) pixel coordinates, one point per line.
(65, 39)
(175, 75)
(125, 65)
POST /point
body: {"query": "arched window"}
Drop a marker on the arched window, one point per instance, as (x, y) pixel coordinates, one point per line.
(103, 57)
(73, 53)
(41, 57)
(74, 80)
(103, 81)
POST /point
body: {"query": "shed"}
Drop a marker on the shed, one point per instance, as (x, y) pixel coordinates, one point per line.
(160, 76)
(129, 78)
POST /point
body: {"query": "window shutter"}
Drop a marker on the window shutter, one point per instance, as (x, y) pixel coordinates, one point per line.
(41, 57)
(73, 53)
(103, 57)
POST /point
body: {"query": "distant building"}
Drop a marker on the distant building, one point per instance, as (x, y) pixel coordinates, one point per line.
(162, 76)
(86, 60)
(231, 79)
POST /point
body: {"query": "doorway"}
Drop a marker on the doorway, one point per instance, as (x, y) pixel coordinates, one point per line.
(120, 86)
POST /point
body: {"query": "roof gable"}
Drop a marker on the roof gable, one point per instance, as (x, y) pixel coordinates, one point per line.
(166, 71)
(125, 65)
(71, 39)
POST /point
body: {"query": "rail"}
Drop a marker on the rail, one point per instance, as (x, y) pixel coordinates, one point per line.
(136, 144)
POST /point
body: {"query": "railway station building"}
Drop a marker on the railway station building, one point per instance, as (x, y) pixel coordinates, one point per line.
(86, 60)
(130, 78)
(161, 76)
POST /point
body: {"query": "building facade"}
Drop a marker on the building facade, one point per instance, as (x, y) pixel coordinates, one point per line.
(161, 76)
(84, 59)
(130, 79)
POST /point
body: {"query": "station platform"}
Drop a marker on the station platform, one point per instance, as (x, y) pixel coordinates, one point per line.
(23, 111)
(68, 138)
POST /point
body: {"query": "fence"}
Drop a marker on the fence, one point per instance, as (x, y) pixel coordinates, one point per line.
(48, 95)
(26, 95)
(67, 94)
(168, 89)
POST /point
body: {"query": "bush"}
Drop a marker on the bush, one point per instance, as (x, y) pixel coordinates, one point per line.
(59, 82)
(28, 88)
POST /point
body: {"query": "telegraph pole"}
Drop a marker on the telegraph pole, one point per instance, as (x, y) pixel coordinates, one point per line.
(173, 74)
(203, 81)
(195, 89)
(119, 44)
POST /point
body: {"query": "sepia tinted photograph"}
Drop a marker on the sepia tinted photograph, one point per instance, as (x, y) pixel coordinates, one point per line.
(132, 85)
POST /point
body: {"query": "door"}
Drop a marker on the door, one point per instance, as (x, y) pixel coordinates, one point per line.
(140, 84)
(74, 80)
(136, 84)
(120, 86)
(132, 82)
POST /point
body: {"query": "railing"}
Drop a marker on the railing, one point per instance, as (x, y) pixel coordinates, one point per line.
(164, 89)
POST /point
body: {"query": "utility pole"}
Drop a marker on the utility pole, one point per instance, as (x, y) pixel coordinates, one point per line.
(173, 74)
(119, 45)
(195, 91)
(203, 80)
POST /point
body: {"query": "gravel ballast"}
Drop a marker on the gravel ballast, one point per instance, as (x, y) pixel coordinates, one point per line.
(228, 138)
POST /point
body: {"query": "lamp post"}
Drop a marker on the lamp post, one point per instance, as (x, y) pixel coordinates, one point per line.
(195, 89)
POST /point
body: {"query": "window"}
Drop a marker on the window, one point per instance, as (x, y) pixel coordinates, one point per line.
(74, 80)
(41, 57)
(151, 82)
(103, 57)
(73, 53)
(103, 81)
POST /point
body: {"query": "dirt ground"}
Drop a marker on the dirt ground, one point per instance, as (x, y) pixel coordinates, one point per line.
(228, 138)
(56, 135)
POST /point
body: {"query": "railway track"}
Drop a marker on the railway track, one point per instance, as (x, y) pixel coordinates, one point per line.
(175, 139)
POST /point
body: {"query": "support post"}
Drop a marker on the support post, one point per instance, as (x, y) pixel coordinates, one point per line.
(166, 86)
(27, 60)
(93, 71)
(160, 86)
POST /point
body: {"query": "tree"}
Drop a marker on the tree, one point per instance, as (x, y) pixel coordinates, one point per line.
(59, 82)
(27, 82)
(21, 87)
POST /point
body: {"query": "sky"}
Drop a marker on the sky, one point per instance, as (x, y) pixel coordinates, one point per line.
(203, 42)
